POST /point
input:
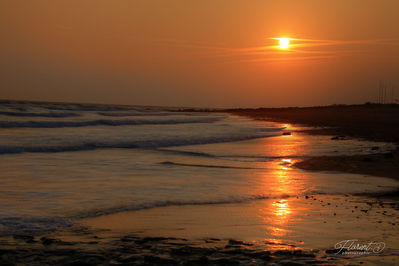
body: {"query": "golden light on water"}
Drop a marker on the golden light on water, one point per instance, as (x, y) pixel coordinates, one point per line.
(281, 209)
(278, 215)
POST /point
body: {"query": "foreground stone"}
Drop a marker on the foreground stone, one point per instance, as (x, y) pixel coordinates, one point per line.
(132, 250)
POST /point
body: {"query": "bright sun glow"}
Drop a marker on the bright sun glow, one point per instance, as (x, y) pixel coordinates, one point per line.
(284, 43)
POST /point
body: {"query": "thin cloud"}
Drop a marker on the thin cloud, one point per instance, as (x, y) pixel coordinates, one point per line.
(309, 49)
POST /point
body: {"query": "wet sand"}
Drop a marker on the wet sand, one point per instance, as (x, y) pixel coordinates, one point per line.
(300, 222)
(383, 165)
(284, 231)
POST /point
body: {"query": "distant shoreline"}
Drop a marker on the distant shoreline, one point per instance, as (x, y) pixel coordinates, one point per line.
(372, 122)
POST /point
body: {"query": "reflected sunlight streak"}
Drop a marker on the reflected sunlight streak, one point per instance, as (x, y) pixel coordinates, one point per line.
(281, 212)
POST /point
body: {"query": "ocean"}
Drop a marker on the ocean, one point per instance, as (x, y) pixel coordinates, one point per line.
(62, 162)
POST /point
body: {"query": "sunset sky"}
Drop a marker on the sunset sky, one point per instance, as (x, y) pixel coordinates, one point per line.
(208, 53)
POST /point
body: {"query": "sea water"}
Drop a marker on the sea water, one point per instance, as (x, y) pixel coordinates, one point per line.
(63, 162)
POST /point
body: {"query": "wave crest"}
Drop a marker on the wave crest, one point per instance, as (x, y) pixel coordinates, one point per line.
(104, 122)
(27, 114)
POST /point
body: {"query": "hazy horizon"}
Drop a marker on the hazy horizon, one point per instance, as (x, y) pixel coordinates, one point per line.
(189, 107)
(199, 54)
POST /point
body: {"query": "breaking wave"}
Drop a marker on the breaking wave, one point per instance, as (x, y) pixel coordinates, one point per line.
(27, 114)
(103, 122)
(151, 143)
(208, 165)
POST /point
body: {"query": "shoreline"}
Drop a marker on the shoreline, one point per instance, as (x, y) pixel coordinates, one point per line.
(304, 231)
(90, 244)
(372, 122)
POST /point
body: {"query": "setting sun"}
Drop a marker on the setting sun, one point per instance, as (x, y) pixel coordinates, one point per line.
(284, 43)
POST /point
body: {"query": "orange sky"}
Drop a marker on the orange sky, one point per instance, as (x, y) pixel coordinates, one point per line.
(198, 53)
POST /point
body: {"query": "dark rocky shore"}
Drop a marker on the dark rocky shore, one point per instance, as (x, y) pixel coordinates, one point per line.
(133, 250)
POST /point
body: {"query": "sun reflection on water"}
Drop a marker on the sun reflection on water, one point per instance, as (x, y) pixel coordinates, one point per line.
(281, 210)
(279, 214)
